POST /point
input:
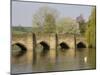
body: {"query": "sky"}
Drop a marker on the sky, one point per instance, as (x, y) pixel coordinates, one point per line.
(22, 12)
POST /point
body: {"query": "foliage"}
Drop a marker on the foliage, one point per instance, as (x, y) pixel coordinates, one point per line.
(21, 30)
(91, 29)
(82, 24)
(45, 18)
(49, 24)
(67, 25)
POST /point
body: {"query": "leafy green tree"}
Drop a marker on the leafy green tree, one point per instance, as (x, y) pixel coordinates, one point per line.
(82, 24)
(91, 29)
(67, 25)
(49, 24)
(45, 18)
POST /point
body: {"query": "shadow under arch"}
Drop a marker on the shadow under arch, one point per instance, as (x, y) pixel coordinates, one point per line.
(81, 45)
(63, 45)
(45, 48)
(22, 50)
(44, 45)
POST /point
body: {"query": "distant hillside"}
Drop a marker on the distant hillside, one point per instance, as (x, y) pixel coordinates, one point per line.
(22, 29)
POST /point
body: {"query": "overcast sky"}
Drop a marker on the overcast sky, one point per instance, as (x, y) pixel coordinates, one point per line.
(22, 12)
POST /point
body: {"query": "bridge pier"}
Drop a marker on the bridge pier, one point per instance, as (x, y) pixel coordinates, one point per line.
(34, 48)
(75, 41)
(53, 43)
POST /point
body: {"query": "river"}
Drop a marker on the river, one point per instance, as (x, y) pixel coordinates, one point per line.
(54, 60)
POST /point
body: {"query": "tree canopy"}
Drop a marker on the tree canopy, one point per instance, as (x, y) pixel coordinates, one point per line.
(67, 25)
(91, 29)
(45, 18)
(82, 24)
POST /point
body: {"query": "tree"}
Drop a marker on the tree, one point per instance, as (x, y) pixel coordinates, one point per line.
(49, 24)
(67, 25)
(82, 24)
(91, 29)
(42, 15)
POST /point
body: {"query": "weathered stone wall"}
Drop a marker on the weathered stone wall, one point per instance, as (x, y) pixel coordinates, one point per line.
(24, 39)
(30, 40)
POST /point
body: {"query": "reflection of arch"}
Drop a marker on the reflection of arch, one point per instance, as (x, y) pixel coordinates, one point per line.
(63, 45)
(21, 46)
(81, 45)
(45, 45)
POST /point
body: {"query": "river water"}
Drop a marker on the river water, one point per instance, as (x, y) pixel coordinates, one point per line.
(54, 60)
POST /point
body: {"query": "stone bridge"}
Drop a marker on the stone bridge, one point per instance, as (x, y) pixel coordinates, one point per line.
(30, 41)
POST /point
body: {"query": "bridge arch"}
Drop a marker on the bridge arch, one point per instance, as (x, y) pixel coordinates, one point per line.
(20, 45)
(20, 51)
(45, 45)
(64, 45)
(81, 45)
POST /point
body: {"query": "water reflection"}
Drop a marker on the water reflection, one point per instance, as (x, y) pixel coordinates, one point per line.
(54, 60)
(85, 59)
